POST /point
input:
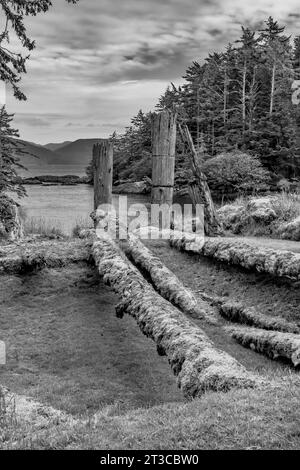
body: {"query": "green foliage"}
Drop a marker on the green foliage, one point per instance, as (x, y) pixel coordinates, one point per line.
(235, 172)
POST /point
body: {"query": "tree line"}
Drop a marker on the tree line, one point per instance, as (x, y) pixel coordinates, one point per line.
(237, 102)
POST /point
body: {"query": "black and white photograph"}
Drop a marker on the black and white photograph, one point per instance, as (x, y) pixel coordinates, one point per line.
(149, 229)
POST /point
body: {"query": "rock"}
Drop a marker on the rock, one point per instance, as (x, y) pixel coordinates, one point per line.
(290, 230)
(137, 187)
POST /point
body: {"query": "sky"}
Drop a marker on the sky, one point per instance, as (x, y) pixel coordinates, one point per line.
(100, 61)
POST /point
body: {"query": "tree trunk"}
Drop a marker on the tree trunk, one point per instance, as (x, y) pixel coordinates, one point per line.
(244, 99)
(225, 98)
(252, 99)
(272, 89)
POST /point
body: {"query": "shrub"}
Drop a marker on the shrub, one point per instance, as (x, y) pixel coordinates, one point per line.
(236, 172)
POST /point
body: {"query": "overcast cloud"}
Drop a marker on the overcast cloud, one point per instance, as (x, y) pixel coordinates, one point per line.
(97, 63)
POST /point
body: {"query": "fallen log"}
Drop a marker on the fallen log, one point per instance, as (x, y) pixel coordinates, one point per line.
(273, 344)
(277, 263)
(236, 312)
(26, 257)
(198, 365)
(167, 284)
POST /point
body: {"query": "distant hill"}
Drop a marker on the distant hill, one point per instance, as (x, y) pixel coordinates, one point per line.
(75, 153)
(66, 158)
(54, 147)
(36, 160)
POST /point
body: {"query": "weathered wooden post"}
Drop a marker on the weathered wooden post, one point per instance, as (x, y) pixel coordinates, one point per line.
(103, 172)
(163, 157)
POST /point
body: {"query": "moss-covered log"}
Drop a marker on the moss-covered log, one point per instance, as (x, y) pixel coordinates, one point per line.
(253, 257)
(167, 284)
(198, 365)
(236, 312)
(25, 257)
(273, 344)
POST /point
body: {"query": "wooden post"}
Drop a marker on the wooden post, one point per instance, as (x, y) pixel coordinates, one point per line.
(103, 172)
(163, 157)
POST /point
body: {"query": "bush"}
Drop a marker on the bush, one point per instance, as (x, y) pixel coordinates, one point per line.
(10, 223)
(236, 172)
(276, 216)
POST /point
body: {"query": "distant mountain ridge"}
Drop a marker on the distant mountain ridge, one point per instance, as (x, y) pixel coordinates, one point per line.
(57, 158)
(56, 146)
(75, 153)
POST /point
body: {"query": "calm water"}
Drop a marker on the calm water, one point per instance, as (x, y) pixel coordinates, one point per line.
(64, 206)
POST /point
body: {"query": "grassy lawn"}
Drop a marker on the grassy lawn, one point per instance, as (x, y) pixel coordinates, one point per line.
(264, 419)
(66, 348)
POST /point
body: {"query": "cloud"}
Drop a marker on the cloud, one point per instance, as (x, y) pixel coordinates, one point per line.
(99, 62)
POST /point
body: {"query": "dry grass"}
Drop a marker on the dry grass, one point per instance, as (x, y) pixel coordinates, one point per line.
(81, 223)
(286, 206)
(43, 226)
(52, 228)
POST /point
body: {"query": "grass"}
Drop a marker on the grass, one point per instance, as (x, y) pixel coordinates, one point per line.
(241, 419)
(66, 348)
(286, 206)
(43, 226)
(80, 224)
(52, 228)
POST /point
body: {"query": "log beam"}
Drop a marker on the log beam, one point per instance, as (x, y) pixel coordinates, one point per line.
(198, 365)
